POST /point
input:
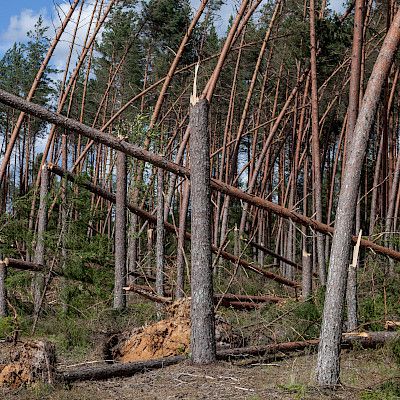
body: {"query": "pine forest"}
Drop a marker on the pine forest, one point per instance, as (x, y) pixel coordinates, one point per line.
(200, 200)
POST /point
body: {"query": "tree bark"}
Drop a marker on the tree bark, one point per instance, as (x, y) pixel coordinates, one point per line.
(3, 292)
(38, 279)
(115, 370)
(180, 252)
(120, 233)
(160, 233)
(352, 112)
(316, 159)
(202, 305)
(328, 367)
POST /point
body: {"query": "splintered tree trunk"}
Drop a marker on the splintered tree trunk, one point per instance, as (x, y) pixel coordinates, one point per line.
(328, 366)
(38, 281)
(3, 293)
(160, 233)
(120, 234)
(202, 306)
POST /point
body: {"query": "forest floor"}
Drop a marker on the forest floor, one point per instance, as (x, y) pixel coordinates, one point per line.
(366, 375)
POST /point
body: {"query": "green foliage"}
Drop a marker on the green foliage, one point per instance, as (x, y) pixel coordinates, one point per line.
(166, 21)
(395, 350)
(297, 390)
(6, 327)
(390, 390)
(378, 297)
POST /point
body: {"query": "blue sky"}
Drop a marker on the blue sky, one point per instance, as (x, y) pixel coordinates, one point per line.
(19, 16)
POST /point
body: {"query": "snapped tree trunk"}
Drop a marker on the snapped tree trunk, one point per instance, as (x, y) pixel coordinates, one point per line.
(202, 305)
(120, 234)
(328, 366)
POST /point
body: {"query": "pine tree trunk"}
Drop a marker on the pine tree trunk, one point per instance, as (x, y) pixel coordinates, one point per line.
(202, 306)
(38, 280)
(120, 233)
(328, 367)
(180, 255)
(132, 247)
(316, 159)
(160, 233)
(3, 293)
(352, 113)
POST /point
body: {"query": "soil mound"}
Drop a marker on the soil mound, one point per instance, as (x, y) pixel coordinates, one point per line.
(165, 338)
(168, 337)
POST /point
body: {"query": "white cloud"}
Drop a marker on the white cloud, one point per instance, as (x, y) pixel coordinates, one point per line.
(63, 47)
(18, 27)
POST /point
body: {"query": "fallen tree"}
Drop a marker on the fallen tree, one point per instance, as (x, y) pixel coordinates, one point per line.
(115, 370)
(169, 227)
(139, 153)
(23, 265)
(238, 301)
(364, 340)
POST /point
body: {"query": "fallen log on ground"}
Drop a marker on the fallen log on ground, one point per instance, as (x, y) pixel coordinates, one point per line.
(363, 339)
(169, 227)
(115, 370)
(139, 153)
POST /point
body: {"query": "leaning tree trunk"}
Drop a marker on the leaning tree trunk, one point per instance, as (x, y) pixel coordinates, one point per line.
(38, 280)
(202, 307)
(328, 367)
(120, 233)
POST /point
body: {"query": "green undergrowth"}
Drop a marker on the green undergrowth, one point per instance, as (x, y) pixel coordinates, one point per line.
(389, 390)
